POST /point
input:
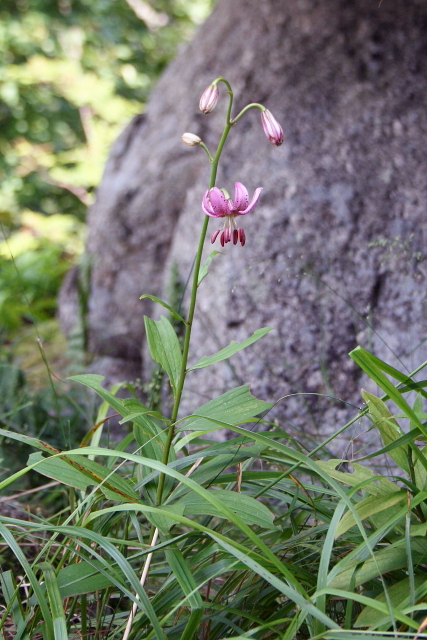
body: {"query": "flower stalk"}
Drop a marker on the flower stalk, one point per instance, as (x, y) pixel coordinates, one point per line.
(193, 296)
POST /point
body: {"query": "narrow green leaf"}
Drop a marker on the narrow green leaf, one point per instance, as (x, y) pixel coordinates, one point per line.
(233, 407)
(203, 271)
(20, 557)
(32, 442)
(164, 347)
(322, 571)
(388, 428)
(232, 348)
(121, 565)
(58, 615)
(171, 310)
(285, 589)
(184, 577)
(188, 585)
(10, 593)
(368, 507)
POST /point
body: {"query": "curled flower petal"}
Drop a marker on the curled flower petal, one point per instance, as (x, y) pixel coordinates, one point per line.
(206, 206)
(218, 202)
(252, 203)
(241, 196)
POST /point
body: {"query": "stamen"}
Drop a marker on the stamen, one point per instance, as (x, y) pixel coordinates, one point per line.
(215, 235)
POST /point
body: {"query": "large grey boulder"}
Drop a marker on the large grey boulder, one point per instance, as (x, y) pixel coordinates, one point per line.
(335, 248)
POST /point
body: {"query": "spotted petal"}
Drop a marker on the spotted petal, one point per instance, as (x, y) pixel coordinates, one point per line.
(206, 205)
(218, 202)
(241, 196)
(252, 202)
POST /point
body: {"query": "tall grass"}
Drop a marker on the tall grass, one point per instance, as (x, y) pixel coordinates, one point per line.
(322, 552)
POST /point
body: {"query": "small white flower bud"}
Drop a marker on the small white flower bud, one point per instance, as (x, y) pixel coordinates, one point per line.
(209, 99)
(191, 139)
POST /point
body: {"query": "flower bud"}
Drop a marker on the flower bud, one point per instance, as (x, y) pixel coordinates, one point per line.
(209, 99)
(191, 139)
(272, 128)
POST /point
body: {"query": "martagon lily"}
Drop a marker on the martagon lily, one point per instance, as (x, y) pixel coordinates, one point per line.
(218, 204)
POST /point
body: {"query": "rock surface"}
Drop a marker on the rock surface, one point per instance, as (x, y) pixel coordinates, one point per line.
(335, 252)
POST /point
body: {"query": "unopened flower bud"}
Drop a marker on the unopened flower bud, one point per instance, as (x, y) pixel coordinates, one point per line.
(272, 128)
(209, 99)
(191, 139)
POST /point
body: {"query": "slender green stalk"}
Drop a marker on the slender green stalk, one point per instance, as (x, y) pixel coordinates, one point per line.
(193, 297)
(252, 105)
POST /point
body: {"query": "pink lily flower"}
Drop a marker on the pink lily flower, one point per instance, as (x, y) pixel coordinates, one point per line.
(217, 203)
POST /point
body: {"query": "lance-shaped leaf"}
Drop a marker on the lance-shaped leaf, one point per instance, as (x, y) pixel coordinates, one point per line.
(203, 272)
(164, 347)
(370, 506)
(80, 472)
(232, 348)
(234, 407)
(250, 510)
(171, 310)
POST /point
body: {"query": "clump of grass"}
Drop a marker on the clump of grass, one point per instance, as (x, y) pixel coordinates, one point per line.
(255, 539)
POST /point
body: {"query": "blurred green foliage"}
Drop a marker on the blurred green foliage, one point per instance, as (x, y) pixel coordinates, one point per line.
(72, 73)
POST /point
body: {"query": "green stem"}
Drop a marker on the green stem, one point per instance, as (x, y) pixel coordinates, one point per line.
(252, 105)
(189, 324)
(202, 144)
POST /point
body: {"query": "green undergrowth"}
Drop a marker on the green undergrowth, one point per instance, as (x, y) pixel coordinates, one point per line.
(255, 539)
